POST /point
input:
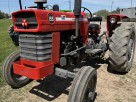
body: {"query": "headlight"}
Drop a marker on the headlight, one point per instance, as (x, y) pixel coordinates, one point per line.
(113, 20)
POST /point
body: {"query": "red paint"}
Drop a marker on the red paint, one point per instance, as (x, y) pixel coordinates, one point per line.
(37, 70)
(45, 26)
(119, 18)
(56, 47)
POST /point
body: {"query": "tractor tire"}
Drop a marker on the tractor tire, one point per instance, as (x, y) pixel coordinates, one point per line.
(14, 36)
(84, 85)
(122, 48)
(15, 81)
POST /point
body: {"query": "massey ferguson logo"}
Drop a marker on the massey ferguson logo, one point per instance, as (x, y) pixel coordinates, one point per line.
(24, 23)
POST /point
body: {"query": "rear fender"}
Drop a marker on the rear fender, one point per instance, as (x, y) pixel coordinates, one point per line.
(111, 27)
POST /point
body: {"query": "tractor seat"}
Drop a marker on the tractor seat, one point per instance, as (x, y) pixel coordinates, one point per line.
(56, 7)
(94, 27)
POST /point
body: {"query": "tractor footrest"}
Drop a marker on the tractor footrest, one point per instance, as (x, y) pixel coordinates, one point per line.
(94, 51)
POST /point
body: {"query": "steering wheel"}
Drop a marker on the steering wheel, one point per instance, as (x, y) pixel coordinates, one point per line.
(34, 7)
(46, 7)
(84, 9)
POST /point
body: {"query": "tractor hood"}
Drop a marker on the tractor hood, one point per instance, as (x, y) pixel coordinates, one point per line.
(44, 20)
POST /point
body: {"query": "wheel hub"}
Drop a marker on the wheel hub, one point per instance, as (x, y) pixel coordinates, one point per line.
(90, 95)
(130, 49)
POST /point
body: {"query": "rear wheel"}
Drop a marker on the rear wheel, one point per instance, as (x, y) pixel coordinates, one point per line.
(122, 48)
(14, 80)
(83, 86)
(14, 35)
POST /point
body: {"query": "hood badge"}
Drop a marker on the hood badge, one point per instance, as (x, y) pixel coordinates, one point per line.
(25, 24)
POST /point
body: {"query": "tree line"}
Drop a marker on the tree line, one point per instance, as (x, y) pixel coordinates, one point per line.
(3, 15)
(104, 13)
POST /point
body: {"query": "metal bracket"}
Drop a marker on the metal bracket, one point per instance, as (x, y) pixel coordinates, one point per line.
(74, 52)
(64, 73)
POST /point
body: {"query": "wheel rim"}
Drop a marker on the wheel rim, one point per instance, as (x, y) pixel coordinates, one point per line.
(130, 50)
(18, 77)
(90, 91)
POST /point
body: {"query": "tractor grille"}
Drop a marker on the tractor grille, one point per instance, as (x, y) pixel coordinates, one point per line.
(29, 16)
(37, 47)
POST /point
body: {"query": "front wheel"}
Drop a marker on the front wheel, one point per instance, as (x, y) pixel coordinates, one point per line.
(84, 85)
(14, 80)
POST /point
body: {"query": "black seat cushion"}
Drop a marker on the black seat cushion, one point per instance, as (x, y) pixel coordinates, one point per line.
(55, 7)
(94, 27)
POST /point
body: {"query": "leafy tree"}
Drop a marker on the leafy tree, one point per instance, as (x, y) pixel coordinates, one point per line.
(102, 13)
(3, 15)
(117, 11)
(6, 16)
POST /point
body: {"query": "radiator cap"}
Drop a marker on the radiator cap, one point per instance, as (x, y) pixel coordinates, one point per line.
(40, 1)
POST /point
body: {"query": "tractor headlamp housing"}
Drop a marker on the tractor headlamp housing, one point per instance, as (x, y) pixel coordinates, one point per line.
(113, 20)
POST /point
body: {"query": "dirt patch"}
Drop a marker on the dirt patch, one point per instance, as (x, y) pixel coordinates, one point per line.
(111, 87)
(116, 88)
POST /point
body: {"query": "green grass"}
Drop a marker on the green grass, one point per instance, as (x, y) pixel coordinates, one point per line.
(6, 45)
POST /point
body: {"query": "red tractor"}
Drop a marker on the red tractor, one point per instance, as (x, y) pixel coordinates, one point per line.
(51, 40)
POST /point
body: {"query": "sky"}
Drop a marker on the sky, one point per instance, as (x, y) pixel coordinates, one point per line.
(93, 5)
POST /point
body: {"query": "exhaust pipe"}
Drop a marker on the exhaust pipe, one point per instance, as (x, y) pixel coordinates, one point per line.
(77, 13)
(20, 4)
